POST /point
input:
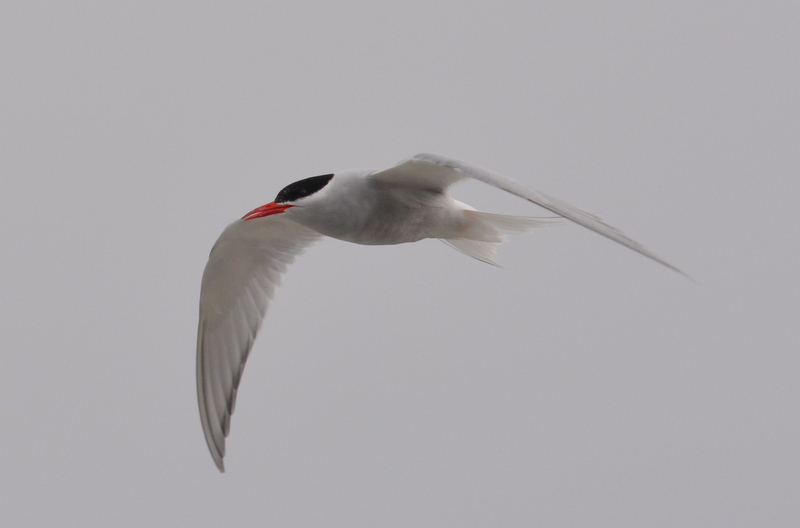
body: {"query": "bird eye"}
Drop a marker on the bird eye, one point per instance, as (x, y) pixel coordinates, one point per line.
(303, 188)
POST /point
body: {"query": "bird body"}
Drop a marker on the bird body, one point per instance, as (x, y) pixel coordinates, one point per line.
(405, 203)
(362, 210)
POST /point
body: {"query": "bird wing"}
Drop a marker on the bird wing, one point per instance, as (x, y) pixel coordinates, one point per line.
(243, 270)
(421, 171)
(435, 172)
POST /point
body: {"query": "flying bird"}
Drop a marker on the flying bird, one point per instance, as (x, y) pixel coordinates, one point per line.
(404, 203)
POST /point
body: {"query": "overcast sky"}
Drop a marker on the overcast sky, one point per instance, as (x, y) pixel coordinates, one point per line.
(404, 386)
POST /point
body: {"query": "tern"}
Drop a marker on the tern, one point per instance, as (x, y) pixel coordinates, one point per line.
(405, 203)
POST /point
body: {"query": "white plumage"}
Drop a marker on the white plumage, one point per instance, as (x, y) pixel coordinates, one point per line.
(405, 203)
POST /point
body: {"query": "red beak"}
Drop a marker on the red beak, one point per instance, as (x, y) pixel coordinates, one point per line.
(266, 210)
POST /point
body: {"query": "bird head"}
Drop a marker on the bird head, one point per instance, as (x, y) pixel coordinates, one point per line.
(290, 195)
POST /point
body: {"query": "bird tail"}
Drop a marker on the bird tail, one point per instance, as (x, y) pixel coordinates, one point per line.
(486, 231)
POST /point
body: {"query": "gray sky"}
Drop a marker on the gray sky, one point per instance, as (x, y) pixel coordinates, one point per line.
(403, 386)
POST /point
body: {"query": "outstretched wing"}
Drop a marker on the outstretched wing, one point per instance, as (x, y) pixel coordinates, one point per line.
(437, 173)
(241, 275)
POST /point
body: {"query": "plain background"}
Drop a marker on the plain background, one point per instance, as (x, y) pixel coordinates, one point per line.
(405, 386)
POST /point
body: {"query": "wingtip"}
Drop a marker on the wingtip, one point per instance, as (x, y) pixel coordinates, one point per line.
(688, 276)
(218, 462)
(676, 269)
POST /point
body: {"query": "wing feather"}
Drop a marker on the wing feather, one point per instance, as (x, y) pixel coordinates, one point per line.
(243, 270)
(436, 172)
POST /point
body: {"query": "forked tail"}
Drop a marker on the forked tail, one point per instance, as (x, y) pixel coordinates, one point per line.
(486, 231)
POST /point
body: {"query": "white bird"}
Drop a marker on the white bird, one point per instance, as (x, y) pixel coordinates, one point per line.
(405, 203)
